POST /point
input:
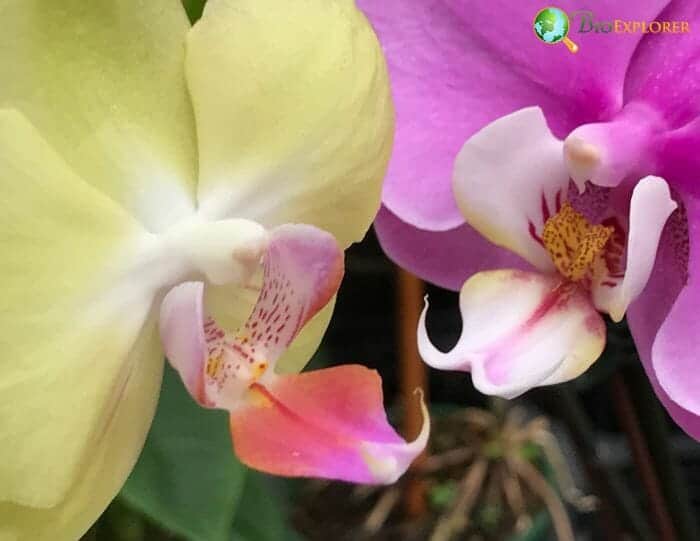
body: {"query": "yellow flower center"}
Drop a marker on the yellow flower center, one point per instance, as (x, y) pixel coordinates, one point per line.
(573, 243)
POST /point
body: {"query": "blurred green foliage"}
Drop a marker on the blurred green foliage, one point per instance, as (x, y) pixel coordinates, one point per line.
(187, 477)
(189, 482)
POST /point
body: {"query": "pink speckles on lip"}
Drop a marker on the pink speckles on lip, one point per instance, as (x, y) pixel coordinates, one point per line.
(302, 269)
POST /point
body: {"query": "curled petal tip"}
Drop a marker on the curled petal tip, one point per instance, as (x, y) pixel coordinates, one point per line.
(388, 463)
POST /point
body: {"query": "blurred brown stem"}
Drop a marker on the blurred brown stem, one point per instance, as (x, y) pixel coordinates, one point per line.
(457, 519)
(640, 451)
(413, 376)
(539, 485)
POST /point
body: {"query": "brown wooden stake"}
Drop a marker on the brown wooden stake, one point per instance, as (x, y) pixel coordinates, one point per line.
(413, 376)
(627, 416)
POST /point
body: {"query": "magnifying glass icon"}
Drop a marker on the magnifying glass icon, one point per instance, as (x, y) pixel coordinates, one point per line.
(551, 26)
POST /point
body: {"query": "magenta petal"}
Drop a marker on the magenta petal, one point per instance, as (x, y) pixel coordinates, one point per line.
(664, 71)
(326, 423)
(444, 258)
(453, 70)
(678, 154)
(675, 349)
(664, 324)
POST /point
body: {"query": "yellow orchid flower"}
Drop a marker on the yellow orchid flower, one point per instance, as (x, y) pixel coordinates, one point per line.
(143, 160)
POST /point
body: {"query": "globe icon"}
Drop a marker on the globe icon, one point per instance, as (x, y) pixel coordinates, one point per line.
(551, 25)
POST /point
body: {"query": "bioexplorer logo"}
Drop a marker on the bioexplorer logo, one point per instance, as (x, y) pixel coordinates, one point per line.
(553, 25)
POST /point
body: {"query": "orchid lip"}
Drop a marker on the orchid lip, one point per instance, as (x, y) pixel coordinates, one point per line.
(324, 423)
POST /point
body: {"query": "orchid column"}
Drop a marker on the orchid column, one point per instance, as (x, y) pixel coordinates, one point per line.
(189, 190)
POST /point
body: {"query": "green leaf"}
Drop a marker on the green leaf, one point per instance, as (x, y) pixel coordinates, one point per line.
(194, 9)
(187, 478)
(263, 510)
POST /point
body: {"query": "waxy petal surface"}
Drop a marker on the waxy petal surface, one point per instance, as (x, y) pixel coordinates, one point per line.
(289, 131)
(70, 320)
(111, 458)
(509, 179)
(104, 84)
(650, 207)
(453, 71)
(325, 423)
(520, 330)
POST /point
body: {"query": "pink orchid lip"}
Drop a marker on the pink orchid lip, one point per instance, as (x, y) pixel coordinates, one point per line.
(520, 330)
(325, 423)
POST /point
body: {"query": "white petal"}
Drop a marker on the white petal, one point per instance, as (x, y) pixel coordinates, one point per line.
(509, 178)
(520, 330)
(650, 207)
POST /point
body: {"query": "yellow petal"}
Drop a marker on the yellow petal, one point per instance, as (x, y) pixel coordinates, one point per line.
(293, 111)
(109, 460)
(69, 318)
(104, 83)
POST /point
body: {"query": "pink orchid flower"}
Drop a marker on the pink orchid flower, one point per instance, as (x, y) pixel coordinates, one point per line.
(576, 181)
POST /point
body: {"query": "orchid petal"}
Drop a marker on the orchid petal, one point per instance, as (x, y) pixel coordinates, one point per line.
(520, 330)
(651, 312)
(650, 207)
(111, 457)
(104, 84)
(71, 318)
(668, 60)
(677, 155)
(424, 252)
(453, 71)
(303, 268)
(509, 178)
(326, 423)
(289, 131)
(674, 351)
